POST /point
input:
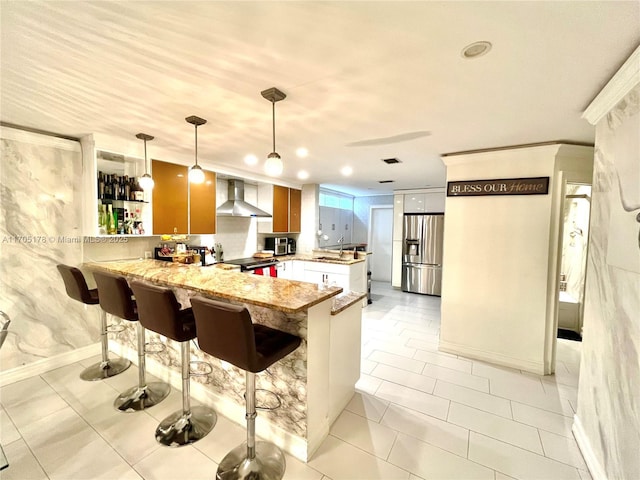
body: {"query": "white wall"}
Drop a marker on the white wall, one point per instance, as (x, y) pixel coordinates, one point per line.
(362, 212)
(607, 424)
(309, 218)
(500, 256)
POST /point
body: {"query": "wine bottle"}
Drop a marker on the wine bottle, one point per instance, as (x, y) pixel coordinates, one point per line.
(100, 185)
(139, 193)
(111, 221)
(107, 187)
(127, 188)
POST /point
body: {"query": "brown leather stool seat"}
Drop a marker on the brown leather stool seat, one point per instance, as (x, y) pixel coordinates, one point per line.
(77, 289)
(116, 298)
(226, 331)
(160, 312)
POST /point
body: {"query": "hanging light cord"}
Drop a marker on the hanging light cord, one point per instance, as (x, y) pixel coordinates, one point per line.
(273, 107)
(146, 165)
(196, 144)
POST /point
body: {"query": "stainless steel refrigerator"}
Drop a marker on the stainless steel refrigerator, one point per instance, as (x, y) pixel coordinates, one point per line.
(422, 253)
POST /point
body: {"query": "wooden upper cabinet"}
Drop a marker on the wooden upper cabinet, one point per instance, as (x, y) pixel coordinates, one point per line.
(280, 209)
(285, 205)
(203, 205)
(169, 198)
(295, 209)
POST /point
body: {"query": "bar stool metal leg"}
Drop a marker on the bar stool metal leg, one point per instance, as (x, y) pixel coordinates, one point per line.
(142, 396)
(189, 424)
(252, 460)
(107, 367)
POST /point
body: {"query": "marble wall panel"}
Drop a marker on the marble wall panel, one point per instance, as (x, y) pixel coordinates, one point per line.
(40, 224)
(608, 399)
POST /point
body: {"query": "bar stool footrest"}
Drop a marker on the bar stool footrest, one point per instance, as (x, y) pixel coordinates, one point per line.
(115, 328)
(154, 348)
(266, 400)
(268, 464)
(199, 368)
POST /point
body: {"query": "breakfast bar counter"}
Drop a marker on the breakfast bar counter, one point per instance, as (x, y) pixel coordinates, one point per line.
(275, 293)
(313, 384)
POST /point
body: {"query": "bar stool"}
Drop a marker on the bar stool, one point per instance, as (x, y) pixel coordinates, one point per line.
(76, 287)
(160, 312)
(226, 332)
(116, 298)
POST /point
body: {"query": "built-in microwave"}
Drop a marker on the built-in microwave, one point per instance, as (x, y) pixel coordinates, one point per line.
(277, 244)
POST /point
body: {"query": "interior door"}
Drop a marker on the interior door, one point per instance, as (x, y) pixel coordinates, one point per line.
(381, 244)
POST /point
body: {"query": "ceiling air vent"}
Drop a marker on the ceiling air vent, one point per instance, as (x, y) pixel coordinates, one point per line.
(385, 181)
(390, 161)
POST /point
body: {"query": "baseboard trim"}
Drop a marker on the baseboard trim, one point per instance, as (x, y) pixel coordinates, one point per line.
(492, 357)
(593, 464)
(41, 366)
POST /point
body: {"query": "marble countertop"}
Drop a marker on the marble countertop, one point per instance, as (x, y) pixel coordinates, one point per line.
(289, 296)
(344, 301)
(347, 259)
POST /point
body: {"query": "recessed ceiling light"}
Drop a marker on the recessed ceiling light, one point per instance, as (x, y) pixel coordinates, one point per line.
(476, 49)
(303, 174)
(251, 159)
(302, 152)
(346, 170)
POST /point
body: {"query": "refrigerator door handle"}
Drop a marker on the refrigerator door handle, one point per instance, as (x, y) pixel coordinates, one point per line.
(422, 265)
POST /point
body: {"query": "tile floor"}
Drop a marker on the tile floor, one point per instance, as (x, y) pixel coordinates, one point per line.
(417, 414)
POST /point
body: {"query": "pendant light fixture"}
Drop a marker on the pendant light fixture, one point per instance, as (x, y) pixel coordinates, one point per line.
(273, 166)
(145, 181)
(196, 174)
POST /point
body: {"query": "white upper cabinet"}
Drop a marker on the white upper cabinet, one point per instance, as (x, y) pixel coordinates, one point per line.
(336, 218)
(346, 225)
(414, 203)
(335, 223)
(424, 202)
(428, 202)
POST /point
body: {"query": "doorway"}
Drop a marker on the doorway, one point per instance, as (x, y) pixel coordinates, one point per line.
(380, 242)
(573, 267)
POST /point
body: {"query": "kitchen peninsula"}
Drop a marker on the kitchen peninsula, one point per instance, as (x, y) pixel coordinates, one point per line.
(313, 384)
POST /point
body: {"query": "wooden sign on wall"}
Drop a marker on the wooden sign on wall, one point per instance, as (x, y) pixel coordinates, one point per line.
(502, 186)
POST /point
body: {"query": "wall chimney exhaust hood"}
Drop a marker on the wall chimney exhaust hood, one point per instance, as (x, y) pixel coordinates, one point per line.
(235, 206)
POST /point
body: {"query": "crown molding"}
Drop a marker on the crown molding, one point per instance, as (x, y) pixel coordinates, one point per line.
(627, 77)
(38, 137)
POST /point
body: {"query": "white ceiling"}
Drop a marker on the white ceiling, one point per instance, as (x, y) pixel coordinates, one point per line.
(352, 71)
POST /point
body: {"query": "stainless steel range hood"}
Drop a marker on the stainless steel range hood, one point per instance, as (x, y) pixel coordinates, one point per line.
(235, 206)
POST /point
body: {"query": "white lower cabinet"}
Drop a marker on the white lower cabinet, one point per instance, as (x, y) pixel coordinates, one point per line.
(331, 279)
(297, 270)
(349, 277)
(285, 269)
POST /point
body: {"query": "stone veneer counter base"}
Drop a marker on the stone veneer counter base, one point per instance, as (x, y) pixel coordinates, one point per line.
(314, 383)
